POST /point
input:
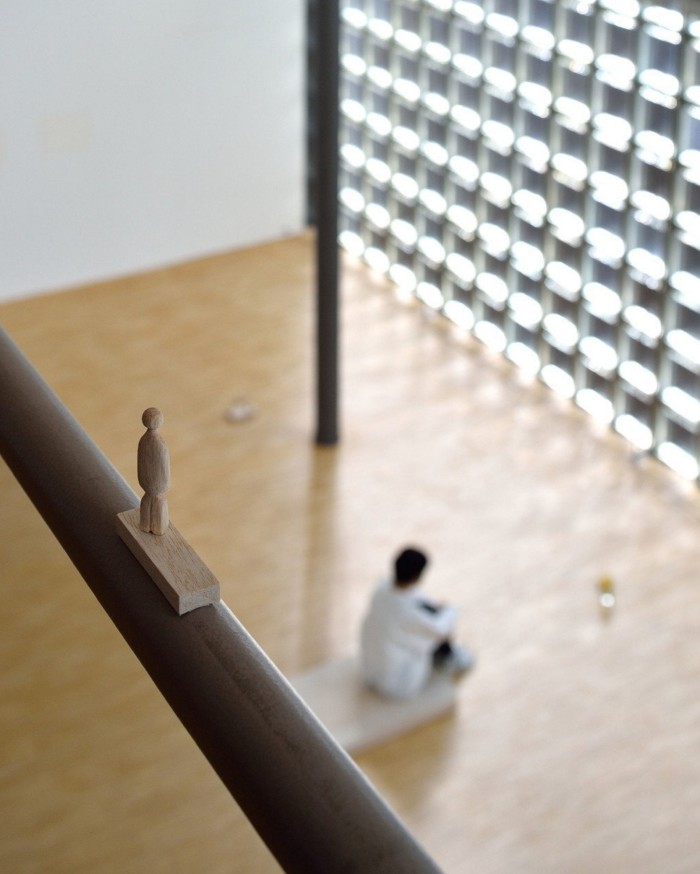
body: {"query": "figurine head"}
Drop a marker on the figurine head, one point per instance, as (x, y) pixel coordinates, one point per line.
(152, 418)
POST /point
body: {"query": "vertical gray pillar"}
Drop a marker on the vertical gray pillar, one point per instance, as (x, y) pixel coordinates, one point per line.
(327, 269)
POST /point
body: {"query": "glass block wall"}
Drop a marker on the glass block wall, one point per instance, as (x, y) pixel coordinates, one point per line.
(531, 169)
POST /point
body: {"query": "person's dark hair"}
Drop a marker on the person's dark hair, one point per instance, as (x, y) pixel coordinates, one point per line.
(409, 565)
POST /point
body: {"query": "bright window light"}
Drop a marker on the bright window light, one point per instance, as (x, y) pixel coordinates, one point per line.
(526, 310)
(495, 240)
(433, 202)
(467, 171)
(563, 332)
(683, 404)
(558, 380)
(607, 247)
(408, 40)
(527, 259)
(406, 138)
(530, 206)
(442, 5)
(602, 301)
(430, 295)
(665, 83)
(564, 278)
(460, 314)
(435, 154)
(524, 357)
(490, 335)
(463, 219)
(436, 103)
(378, 124)
(670, 19)
(498, 132)
(378, 216)
(380, 28)
(572, 109)
(437, 52)
(612, 130)
(596, 405)
(598, 356)
(405, 185)
(577, 53)
(538, 37)
(616, 71)
(379, 171)
(503, 25)
(352, 243)
(353, 156)
(493, 288)
(377, 259)
(639, 434)
(403, 276)
(679, 460)
(650, 207)
(532, 171)
(472, 12)
(432, 250)
(611, 188)
(353, 110)
(496, 188)
(536, 96)
(466, 118)
(353, 17)
(500, 80)
(643, 322)
(535, 152)
(647, 265)
(568, 226)
(570, 169)
(461, 268)
(685, 344)
(639, 377)
(655, 149)
(689, 223)
(404, 232)
(468, 66)
(351, 200)
(687, 288)
(409, 91)
(379, 77)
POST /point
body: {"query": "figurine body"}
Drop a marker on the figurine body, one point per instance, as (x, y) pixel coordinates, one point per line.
(153, 470)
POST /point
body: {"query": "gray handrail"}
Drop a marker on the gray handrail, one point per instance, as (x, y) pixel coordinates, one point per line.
(305, 797)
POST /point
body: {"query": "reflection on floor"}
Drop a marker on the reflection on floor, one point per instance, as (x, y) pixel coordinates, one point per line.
(573, 746)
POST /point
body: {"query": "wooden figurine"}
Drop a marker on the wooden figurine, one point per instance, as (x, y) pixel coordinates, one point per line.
(153, 470)
(177, 570)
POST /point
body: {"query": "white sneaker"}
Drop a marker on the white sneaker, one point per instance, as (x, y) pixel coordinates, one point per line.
(457, 662)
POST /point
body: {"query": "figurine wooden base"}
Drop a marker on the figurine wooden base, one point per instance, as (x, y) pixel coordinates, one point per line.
(174, 566)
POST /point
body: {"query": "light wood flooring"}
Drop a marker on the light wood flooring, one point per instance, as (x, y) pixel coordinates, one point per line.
(576, 743)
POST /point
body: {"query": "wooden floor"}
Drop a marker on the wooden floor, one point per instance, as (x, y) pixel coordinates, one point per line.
(576, 743)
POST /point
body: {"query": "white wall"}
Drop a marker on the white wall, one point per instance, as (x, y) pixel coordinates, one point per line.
(137, 133)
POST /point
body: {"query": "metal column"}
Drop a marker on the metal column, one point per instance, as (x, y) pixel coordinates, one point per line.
(327, 17)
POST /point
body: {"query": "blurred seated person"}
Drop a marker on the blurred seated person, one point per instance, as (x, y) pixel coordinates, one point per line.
(405, 637)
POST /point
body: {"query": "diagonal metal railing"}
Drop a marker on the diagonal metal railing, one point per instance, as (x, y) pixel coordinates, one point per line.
(305, 797)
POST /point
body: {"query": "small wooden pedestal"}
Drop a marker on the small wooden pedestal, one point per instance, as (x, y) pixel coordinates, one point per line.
(174, 566)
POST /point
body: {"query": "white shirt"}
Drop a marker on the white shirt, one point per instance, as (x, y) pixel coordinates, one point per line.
(398, 638)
